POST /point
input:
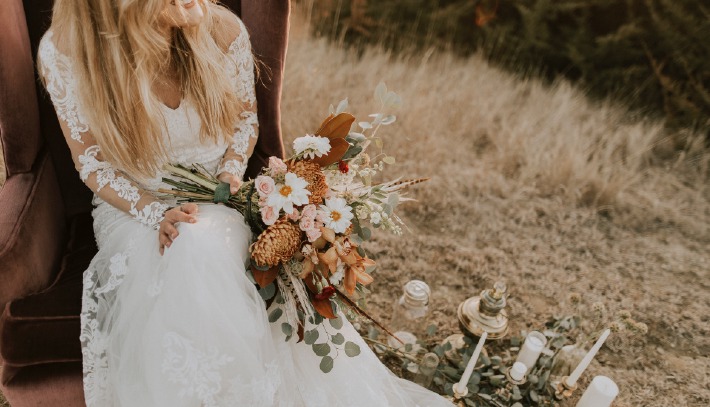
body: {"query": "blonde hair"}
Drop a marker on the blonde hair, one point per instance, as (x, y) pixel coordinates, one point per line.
(117, 51)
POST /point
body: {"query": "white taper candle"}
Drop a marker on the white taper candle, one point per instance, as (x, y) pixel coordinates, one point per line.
(601, 393)
(572, 379)
(462, 385)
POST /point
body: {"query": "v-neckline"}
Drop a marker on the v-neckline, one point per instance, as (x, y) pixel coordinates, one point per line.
(182, 102)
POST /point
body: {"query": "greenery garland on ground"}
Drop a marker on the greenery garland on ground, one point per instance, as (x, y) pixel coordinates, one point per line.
(579, 326)
(649, 53)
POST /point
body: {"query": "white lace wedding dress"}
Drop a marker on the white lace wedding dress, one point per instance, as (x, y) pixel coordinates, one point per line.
(188, 328)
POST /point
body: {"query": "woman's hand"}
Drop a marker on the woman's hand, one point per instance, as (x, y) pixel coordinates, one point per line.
(167, 232)
(234, 182)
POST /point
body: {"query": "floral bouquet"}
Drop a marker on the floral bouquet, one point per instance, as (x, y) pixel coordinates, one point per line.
(311, 213)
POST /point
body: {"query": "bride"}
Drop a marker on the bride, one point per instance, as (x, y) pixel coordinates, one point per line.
(169, 316)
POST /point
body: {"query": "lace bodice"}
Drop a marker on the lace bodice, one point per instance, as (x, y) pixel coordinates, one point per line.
(182, 127)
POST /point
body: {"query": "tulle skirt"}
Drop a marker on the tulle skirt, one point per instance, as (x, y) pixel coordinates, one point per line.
(190, 329)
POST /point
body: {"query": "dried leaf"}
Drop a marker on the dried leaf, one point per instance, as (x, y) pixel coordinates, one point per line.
(338, 148)
(337, 127)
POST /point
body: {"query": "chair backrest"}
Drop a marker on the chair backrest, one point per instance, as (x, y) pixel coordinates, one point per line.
(19, 116)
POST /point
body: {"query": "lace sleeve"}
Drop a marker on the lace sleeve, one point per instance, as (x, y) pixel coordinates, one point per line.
(108, 183)
(246, 129)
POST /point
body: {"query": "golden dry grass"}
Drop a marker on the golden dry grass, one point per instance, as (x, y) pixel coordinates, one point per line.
(540, 187)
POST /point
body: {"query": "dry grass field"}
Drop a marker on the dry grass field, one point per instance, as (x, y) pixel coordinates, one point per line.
(537, 186)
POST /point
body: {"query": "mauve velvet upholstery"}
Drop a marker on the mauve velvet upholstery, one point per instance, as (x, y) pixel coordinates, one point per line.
(46, 233)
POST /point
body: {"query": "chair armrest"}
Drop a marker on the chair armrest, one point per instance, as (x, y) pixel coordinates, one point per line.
(32, 230)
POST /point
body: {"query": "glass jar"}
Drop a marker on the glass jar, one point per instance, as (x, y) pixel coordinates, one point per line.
(427, 369)
(408, 313)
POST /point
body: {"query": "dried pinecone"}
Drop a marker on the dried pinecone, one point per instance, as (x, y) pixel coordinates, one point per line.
(278, 243)
(312, 173)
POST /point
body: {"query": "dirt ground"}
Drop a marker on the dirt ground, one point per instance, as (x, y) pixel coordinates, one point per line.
(539, 187)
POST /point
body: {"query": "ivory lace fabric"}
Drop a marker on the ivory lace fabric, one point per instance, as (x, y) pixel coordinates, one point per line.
(189, 328)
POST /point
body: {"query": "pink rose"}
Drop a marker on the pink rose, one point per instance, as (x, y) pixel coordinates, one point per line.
(307, 224)
(277, 166)
(313, 234)
(269, 215)
(294, 215)
(309, 211)
(265, 185)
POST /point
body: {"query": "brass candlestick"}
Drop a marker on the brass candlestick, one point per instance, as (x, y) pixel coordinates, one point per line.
(485, 313)
(562, 389)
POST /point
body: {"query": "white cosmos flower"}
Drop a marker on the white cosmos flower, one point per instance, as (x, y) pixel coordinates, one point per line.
(336, 214)
(311, 146)
(292, 192)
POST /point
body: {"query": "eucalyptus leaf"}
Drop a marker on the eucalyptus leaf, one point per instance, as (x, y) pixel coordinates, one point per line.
(431, 330)
(389, 119)
(326, 364)
(485, 396)
(355, 137)
(275, 314)
(342, 106)
(366, 233)
(336, 323)
(380, 91)
(365, 125)
(389, 160)
(338, 339)
(352, 349)
(268, 291)
(287, 329)
(321, 349)
(310, 337)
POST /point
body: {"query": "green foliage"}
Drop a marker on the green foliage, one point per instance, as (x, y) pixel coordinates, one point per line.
(650, 54)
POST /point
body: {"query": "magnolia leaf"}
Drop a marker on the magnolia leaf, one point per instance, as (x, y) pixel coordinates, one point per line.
(352, 152)
(342, 106)
(338, 148)
(355, 138)
(337, 127)
(326, 364)
(338, 338)
(352, 349)
(275, 314)
(310, 337)
(323, 307)
(336, 323)
(389, 160)
(264, 278)
(321, 349)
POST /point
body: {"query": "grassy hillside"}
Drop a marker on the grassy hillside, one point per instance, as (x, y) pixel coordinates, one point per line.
(539, 186)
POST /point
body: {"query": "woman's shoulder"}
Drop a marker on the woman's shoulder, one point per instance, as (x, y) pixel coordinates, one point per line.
(228, 27)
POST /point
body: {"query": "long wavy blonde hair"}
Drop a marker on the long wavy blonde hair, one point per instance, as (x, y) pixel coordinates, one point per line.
(117, 50)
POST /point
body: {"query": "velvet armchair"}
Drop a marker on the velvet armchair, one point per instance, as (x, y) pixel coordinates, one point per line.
(46, 232)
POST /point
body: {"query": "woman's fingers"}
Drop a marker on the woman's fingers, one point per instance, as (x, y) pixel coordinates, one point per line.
(190, 208)
(179, 216)
(234, 185)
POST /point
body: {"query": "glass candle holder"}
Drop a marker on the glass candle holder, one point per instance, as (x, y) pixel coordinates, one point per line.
(408, 313)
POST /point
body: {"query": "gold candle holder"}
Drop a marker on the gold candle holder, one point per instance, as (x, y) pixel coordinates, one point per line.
(485, 313)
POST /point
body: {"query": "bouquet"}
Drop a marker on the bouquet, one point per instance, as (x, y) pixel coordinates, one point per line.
(311, 213)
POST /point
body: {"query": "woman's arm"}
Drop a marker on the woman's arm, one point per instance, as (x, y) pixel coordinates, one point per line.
(246, 129)
(107, 182)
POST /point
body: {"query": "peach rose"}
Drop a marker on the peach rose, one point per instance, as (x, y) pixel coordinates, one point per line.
(313, 234)
(265, 185)
(309, 211)
(269, 215)
(307, 224)
(277, 166)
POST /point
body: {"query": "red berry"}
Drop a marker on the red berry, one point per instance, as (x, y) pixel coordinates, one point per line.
(343, 167)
